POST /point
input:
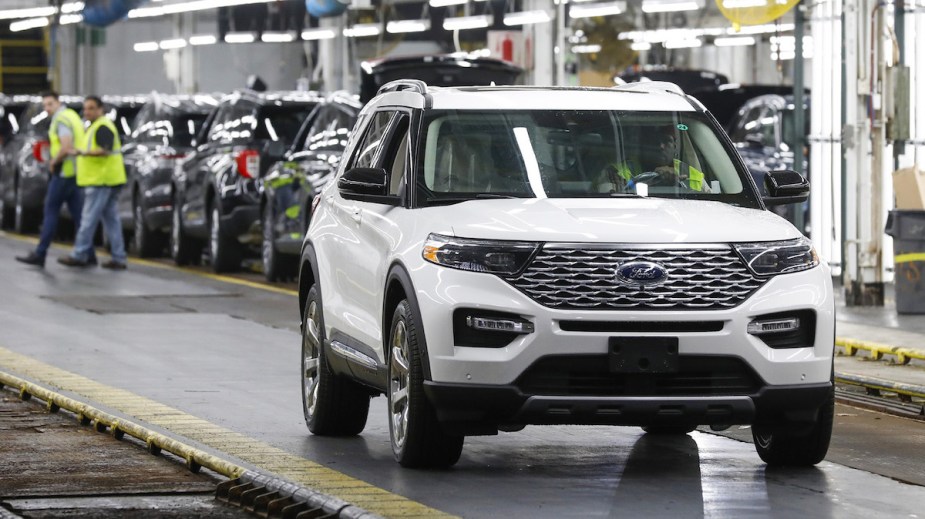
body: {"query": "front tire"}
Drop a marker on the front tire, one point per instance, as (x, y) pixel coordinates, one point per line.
(276, 267)
(779, 448)
(332, 405)
(418, 440)
(24, 220)
(148, 243)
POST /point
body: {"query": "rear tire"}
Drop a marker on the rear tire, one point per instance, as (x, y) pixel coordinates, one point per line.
(418, 440)
(7, 214)
(148, 243)
(184, 249)
(24, 220)
(666, 430)
(225, 251)
(779, 448)
(332, 405)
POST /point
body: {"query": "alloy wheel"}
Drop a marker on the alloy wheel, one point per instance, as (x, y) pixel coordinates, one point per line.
(268, 236)
(399, 380)
(311, 350)
(175, 233)
(215, 229)
(139, 229)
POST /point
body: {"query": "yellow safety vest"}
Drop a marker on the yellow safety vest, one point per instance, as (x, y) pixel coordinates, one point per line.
(68, 118)
(103, 170)
(694, 176)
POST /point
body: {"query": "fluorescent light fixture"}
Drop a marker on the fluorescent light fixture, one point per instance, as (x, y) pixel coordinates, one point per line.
(240, 37)
(742, 4)
(444, 3)
(185, 7)
(28, 12)
(734, 41)
(363, 29)
(586, 49)
(146, 46)
(203, 39)
(318, 34)
(640, 45)
(669, 6)
(461, 23)
(526, 17)
(762, 29)
(277, 37)
(683, 44)
(401, 26)
(31, 23)
(177, 43)
(602, 9)
(67, 19)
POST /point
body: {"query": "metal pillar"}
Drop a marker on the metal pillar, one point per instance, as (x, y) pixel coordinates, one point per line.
(332, 54)
(544, 45)
(799, 116)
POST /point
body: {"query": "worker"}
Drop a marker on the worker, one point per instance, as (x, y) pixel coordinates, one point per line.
(65, 133)
(101, 173)
(661, 165)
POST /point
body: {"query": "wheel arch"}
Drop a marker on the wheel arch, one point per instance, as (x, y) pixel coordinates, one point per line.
(398, 286)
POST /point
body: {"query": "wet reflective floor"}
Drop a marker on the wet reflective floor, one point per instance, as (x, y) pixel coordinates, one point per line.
(229, 354)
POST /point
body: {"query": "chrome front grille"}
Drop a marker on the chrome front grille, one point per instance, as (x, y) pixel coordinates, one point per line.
(579, 277)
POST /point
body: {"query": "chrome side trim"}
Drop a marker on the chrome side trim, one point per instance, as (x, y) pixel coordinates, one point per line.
(354, 355)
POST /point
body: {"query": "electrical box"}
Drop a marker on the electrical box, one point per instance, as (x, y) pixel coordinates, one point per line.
(898, 128)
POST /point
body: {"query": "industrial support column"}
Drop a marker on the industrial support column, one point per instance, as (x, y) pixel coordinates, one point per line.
(799, 113)
(544, 45)
(332, 54)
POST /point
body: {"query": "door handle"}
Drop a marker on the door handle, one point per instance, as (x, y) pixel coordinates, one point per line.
(356, 214)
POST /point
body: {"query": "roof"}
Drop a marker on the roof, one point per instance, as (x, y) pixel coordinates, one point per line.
(279, 97)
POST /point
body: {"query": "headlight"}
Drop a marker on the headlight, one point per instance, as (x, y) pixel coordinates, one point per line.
(494, 257)
(778, 257)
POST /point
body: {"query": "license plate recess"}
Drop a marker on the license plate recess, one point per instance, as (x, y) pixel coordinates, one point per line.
(643, 354)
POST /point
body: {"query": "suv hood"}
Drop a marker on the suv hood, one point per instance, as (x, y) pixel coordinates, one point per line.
(649, 220)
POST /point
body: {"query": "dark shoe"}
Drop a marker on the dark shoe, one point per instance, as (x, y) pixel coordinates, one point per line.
(92, 261)
(32, 259)
(113, 265)
(72, 262)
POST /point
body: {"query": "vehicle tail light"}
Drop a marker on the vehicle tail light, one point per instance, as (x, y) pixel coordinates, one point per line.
(248, 162)
(41, 150)
(315, 202)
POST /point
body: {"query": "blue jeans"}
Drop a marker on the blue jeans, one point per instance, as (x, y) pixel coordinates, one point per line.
(61, 191)
(100, 205)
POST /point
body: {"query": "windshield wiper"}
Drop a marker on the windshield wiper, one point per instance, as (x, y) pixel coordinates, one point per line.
(475, 196)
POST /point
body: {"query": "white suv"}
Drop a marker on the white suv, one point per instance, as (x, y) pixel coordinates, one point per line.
(492, 257)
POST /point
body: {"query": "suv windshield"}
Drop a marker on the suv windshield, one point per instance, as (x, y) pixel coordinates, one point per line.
(281, 123)
(577, 153)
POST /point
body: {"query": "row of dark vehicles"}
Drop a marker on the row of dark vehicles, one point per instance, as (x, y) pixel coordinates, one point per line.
(219, 177)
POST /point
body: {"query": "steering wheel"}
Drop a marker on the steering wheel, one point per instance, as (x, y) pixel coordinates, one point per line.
(656, 179)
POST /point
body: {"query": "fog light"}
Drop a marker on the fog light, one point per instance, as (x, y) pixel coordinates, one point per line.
(499, 325)
(773, 326)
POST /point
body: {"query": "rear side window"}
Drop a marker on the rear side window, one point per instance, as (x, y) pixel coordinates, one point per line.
(281, 123)
(184, 128)
(330, 131)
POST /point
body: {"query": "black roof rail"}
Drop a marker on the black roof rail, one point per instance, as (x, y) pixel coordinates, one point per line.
(404, 84)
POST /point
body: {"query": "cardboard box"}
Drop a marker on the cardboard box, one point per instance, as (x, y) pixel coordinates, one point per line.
(909, 187)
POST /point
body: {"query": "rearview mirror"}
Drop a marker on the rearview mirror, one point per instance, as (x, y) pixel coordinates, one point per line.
(364, 181)
(785, 187)
(755, 140)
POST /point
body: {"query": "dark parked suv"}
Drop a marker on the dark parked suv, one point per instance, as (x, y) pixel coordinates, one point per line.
(164, 131)
(23, 177)
(216, 198)
(292, 183)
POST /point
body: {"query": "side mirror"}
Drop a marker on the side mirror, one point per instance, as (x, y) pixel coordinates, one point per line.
(755, 140)
(364, 181)
(785, 187)
(41, 151)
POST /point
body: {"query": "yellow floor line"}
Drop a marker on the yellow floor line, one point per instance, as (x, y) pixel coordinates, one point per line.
(264, 456)
(156, 264)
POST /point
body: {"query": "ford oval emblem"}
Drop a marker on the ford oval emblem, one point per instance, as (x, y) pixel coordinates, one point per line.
(641, 274)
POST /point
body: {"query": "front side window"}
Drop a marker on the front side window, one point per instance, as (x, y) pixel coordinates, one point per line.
(576, 153)
(366, 152)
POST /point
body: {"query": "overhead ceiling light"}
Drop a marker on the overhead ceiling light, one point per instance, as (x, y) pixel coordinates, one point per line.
(363, 29)
(688, 43)
(28, 12)
(734, 41)
(31, 23)
(669, 6)
(586, 49)
(640, 45)
(461, 23)
(444, 3)
(318, 34)
(185, 7)
(67, 19)
(401, 26)
(240, 37)
(741, 4)
(591, 10)
(146, 46)
(526, 17)
(277, 37)
(177, 43)
(761, 29)
(203, 39)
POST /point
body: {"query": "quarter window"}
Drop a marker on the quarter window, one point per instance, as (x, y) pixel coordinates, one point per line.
(368, 149)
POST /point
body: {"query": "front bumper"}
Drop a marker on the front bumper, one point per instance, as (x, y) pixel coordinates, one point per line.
(481, 409)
